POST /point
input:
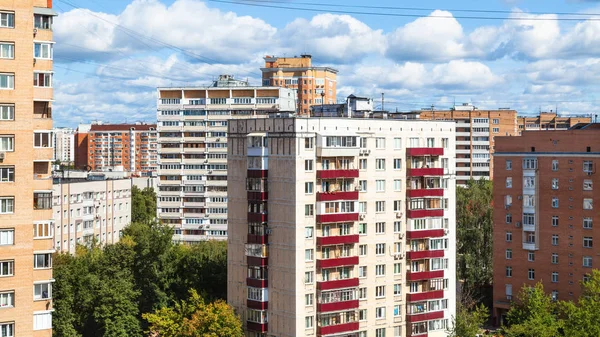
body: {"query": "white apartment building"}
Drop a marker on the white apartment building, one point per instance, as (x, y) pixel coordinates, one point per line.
(192, 137)
(85, 210)
(64, 145)
(342, 226)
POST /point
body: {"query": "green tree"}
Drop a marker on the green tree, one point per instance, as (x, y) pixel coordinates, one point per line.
(474, 219)
(583, 319)
(468, 321)
(534, 314)
(195, 318)
(143, 208)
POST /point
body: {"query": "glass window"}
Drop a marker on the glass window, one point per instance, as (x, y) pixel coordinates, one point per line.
(7, 173)
(42, 80)
(42, 321)
(7, 205)
(7, 81)
(42, 291)
(41, 261)
(7, 20)
(7, 300)
(42, 50)
(7, 50)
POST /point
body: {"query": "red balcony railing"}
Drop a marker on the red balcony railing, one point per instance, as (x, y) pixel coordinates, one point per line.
(337, 217)
(260, 239)
(331, 196)
(258, 327)
(258, 196)
(424, 213)
(337, 240)
(424, 254)
(337, 306)
(422, 172)
(424, 275)
(338, 284)
(339, 328)
(423, 234)
(424, 296)
(257, 173)
(257, 217)
(425, 151)
(332, 174)
(425, 316)
(257, 261)
(338, 262)
(426, 192)
(257, 305)
(256, 283)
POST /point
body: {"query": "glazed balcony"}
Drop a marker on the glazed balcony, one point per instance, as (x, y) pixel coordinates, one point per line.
(424, 151)
(258, 196)
(337, 217)
(257, 217)
(424, 254)
(338, 328)
(338, 284)
(424, 172)
(424, 234)
(337, 240)
(424, 213)
(426, 192)
(424, 275)
(257, 283)
(424, 296)
(332, 196)
(257, 327)
(337, 306)
(337, 262)
(427, 316)
(333, 174)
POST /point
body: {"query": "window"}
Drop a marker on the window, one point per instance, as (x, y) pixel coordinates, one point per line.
(42, 139)
(362, 207)
(7, 300)
(380, 185)
(308, 322)
(397, 289)
(380, 249)
(508, 236)
(508, 272)
(362, 228)
(379, 206)
(529, 163)
(587, 261)
(397, 205)
(555, 240)
(363, 143)
(7, 174)
(42, 261)
(397, 226)
(42, 21)
(7, 329)
(380, 332)
(531, 274)
(554, 165)
(397, 268)
(554, 202)
(554, 183)
(397, 143)
(42, 80)
(7, 50)
(362, 185)
(380, 270)
(362, 271)
(362, 250)
(362, 315)
(380, 143)
(495, 121)
(309, 254)
(380, 164)
(530, 256)
(362, 164)
(397, 185)
(308, 232)
(380, 227)
(554, 258)
(588, 166)
(308, 277)
(42, 50)
(7, 112)
(508, 182)
(7, 143)
(588, 203)
(379, 291)
(587, 185)
(42, 321)
(509, 254)
(308, 165)
(554, 277)
(587, 223)
(7, 205)
(42, 291)
(397, 164)
(42, 200)
(309, 143)
(7, 81)
(7, 268)
(495, 130)
(555, 221)
(380, 312)
(587, 242)
(508, 165)
(309, 210)
(362, 293)
(308, 187)
(508, 218)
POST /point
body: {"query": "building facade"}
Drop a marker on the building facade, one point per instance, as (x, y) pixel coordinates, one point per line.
(118, 147)
(341, 226)
(64, 145)
(550, 121)
(192, 137)
(86, 210)
(543, 213)
(26, 153)
(313, 85)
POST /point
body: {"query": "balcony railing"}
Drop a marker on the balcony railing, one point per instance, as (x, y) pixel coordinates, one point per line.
(337, 217)
(332, 174)
(424, 151)
(259, 239)
(258, 305)
(338, 284)
(426, 192)
(337, 240)
(338, 262)
(338, 328)
(258, 327)
(424, 213)
(425, 316)
(257, 283)
(424, 254)
(424, 275)
(423, 234)
(424, 296)
(331, 196)
(337, 306)
(422, 172)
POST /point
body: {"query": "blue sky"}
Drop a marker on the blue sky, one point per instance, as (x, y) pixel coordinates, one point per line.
(110, 55)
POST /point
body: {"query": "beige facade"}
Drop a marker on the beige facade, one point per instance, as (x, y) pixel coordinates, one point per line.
(86, 210)
(64, 145)
(341, 226)
(25, 155)
(192, 137)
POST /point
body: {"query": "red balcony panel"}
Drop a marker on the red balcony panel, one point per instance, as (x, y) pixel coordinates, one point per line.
(328, 330)
(338, 284)
(258, 196)
(425, 151)
(257, 305)
(337, 240)
(337, 217)
(429, 295)
(425, 275)
(339, 262)
(423, 234)
(257, 217)
(332, 174)
(424, 213)
(425, 316)
(258, 327)
(426, 192)
(337, 306)
(256, 283)
(258, 173)
(260, 239)
(424, 254)
(257, 261)
(422, 172)
(352, 195)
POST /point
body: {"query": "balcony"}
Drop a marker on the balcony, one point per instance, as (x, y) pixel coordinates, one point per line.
(424, 213)
(430, 192)
(337, 240)
(424, 254)
(337, 262)
(529, 246)
(257, 261)
(424, 151)
(337, 306)
(339, 328)
(528, 228)
(424, 234)
(258, 327)
(424, 296)
(425, 316)
(257, 173)
(257, 217)
(423, 172)
(332, 174)
(332, 196)
(337, 284)
(257, 283)
(258, 196)
(337, 217)
(257, 305)
(424, 275)
(259, 239)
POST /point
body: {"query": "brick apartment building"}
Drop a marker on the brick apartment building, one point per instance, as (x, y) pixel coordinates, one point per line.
(550, 121)
(544, 197)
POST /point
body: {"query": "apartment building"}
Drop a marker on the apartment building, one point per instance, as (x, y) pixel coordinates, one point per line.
(93, 209)
(341, 226)
(118, 147)
(550, 121)
(544, 199)
(26, 151)
(192, 137)
(64, 145)
(313, 85)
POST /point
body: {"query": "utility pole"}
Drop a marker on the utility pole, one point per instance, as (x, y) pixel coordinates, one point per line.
(382, 108)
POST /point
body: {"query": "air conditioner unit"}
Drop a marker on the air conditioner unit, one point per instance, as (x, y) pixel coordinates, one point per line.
(209, 171)
(446, 232)
(2, 155)
(201, 226)
(362, 216)
(218, 139)
(206, 215)
(398, 257)
(207, 226)
(206, 160)
(401, 236)
(589, 173)
(518, 225)
(268, 231)
(398, 215)
(507, 206)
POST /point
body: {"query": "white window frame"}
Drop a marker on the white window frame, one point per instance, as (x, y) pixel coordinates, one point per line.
(7, 299)
(47, 79)
(7, 236)
(7, 19)
(4, 205)
(49, 46)
(42, 320)
(38, 291)
(8, 48)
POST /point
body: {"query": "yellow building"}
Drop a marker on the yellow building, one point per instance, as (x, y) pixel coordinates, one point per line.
(314, 85)
(25, 154)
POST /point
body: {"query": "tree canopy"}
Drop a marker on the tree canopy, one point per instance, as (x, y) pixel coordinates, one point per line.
(143, 208)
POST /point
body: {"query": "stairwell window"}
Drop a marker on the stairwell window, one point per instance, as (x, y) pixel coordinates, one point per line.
(42, 261)
(42, 80)
(42, 139)
(43, 50)
(7, 81)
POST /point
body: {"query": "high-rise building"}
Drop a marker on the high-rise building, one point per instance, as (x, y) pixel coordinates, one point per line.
(117, 147)
(64, 145)
(313, 85)
(544, 198)
(341, 226)
(550, 121)
(192, 127)
(26, 80)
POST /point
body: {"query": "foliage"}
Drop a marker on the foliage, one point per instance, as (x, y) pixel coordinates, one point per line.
(195, 318)
(143, 207)
(468, 321)
(533, 315)
(583, 319)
